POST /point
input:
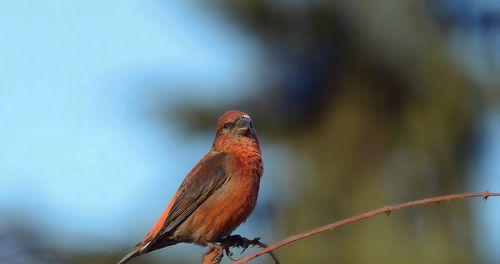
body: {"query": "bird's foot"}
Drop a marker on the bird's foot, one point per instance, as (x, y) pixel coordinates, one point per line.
(244, 243)
(239, 241)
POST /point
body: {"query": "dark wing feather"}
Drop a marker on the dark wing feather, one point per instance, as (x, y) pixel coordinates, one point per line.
(202, 182)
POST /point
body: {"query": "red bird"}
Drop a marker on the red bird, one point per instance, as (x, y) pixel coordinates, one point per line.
(217, 195)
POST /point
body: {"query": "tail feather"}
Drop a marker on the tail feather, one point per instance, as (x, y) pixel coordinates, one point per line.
(132, 254)
(137, 251)
(144, 247)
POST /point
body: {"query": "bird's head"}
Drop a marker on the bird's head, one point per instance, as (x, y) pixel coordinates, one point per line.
(235, 127)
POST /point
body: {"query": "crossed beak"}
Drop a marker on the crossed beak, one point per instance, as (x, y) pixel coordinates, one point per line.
(244, 126)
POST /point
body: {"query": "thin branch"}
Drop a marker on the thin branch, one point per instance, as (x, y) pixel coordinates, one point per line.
(387, 210)
(212, 256)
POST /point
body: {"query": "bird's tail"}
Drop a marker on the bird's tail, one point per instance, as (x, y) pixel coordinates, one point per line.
(137, 251)
(132, 254)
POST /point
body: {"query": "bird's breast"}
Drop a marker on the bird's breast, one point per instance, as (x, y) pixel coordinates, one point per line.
(230, 205)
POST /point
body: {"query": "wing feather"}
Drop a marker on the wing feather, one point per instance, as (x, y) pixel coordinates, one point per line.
(200, 184)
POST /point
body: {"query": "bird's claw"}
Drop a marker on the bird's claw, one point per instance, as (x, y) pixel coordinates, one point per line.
(242, 242)
(230, 254)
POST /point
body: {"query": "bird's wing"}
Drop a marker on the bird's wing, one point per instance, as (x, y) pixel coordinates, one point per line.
(205, 178)
(208, 176)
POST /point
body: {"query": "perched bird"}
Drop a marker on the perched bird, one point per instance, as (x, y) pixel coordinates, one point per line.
(217, 195)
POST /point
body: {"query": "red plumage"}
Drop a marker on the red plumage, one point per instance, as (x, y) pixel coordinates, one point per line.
(217, 195)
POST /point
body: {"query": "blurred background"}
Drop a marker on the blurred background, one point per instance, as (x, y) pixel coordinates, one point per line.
(106, 105)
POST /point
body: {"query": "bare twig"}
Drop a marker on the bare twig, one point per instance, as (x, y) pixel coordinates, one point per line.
(212, 256)
(353, 219)
(262, 245)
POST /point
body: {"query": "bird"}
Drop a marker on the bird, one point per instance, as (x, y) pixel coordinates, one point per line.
(218, 194)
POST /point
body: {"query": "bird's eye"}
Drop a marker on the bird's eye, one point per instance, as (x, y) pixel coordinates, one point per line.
(227, 125)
